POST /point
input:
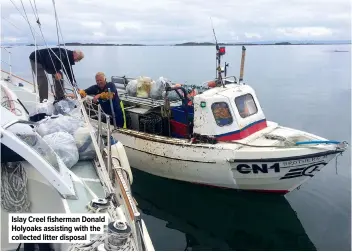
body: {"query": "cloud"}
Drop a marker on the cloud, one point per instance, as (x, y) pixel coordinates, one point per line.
(252, 35)
(173, 21)
(305, 32)
(92, 25)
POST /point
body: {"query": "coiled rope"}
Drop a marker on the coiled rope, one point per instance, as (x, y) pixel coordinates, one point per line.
(6, 104)
(14, 194)
(101, 240)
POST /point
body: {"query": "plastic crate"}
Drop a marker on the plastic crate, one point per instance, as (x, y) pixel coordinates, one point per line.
(179, 114)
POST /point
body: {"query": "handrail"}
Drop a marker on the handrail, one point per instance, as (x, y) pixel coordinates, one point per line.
(59, 179)
(7, 125)
(118, 173)
(9, 63)
(124, 187)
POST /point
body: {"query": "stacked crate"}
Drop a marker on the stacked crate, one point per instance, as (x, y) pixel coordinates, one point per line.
(179, 123)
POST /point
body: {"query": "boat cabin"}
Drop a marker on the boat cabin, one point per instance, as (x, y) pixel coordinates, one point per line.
(224, 109)
(230, 112)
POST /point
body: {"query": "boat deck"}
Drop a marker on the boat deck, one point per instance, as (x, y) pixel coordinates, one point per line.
(86, 172)
(23, 89)
(83, 169)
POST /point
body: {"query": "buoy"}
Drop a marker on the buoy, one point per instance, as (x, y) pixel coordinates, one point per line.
(211, 84)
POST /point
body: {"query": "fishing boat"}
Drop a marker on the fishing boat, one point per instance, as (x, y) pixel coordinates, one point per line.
(216, 134)
(36, 177)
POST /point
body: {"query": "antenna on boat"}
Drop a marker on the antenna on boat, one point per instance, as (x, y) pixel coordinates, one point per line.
(225, 71)
(242, 64)
(220, 51)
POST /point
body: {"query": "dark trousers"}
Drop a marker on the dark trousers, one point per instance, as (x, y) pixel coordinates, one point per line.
(43, 85)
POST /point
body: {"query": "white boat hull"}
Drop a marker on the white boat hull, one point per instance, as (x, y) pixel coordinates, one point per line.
(224, 165)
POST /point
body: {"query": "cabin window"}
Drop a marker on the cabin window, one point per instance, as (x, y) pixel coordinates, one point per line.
(246, 105)
(221, 113)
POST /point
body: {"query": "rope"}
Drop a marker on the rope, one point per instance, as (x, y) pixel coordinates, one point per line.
(99, 240)
(16, 111)
(336, 162)
(110, 241)
(14, 195)
(290, 144)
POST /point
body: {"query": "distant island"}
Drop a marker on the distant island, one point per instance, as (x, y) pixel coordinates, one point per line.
(252, 43)
(259, 43)
(99, 44)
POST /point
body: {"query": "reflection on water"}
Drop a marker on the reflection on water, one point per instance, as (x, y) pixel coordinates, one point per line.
(216, 219)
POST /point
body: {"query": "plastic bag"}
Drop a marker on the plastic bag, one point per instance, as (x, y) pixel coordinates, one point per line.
(173, 96)
(44, 107)
(84, 144)
(65, 106)
(156, 91)
(131, 88)
(36, 142)
(65, 147)
(58, 123)
(77, 114)
(144, 85)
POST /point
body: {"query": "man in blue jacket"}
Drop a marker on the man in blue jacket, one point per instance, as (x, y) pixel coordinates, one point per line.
(100, 92)
(48, 60)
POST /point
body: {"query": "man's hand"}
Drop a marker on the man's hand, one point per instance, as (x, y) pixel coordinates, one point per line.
(58, 76)
(71, 95)
(95, 99)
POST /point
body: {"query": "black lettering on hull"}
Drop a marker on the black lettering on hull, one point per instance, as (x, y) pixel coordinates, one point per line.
(304, 171)
(296, 168)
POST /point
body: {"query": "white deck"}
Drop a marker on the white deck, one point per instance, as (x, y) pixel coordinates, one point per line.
(83, 169)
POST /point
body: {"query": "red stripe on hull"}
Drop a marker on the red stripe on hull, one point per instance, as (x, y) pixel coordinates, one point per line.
(245, 132)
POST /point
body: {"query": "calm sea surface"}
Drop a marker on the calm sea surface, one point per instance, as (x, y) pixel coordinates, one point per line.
(303, 87)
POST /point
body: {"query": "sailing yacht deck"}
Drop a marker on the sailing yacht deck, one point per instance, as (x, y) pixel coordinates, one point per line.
(83, 169)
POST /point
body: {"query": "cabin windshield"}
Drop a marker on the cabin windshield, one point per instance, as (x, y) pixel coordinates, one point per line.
(222, 113)
(246, 105)
(36, 142)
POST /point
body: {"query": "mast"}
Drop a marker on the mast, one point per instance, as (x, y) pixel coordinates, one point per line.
(220, 51)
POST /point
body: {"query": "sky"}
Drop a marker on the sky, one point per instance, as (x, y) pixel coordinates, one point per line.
(177, 21)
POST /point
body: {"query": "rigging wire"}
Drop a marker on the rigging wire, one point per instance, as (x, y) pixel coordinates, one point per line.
(105, 177)
(11, 23)
(36, 47)
(58, 37)
(58, 27)
(35, 14)
(25, 13)
(25, 17)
